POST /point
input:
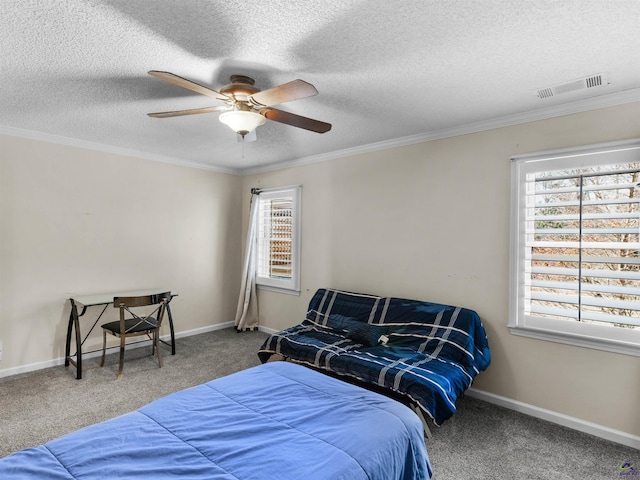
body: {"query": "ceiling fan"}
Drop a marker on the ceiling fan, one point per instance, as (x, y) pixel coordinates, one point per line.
(245, 106)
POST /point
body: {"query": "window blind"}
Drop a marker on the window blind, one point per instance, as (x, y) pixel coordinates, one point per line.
(582, 244)
(275, 237)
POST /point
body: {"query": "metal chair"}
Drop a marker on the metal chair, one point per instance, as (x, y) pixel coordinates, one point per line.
(135, 325)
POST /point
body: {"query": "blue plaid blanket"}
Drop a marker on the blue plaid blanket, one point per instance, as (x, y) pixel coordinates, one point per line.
(425, 352)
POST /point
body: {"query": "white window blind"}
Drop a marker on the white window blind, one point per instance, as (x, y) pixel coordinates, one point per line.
(277, 240)
(576, 247)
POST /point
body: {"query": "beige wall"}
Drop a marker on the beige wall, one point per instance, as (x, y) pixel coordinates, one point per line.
(428, 221)
(80, 221)
(431, 221)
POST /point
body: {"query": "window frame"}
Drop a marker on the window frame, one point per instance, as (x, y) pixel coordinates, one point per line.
(291, 285)
(597, 336)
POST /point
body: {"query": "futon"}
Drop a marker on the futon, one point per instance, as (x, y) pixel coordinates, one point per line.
(275, 421)
(426, 354)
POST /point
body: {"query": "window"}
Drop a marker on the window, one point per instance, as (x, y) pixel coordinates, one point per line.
(277, 240)
(575, 247)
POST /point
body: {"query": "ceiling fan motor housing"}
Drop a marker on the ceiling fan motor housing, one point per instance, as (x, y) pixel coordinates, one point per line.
(240, 88)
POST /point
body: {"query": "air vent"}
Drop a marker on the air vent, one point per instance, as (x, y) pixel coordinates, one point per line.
(595, 81)
(545, 93)
(592, 81)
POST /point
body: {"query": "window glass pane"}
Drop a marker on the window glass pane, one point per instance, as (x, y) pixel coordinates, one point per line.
(275, 238)
(277, 244)
(582, 247)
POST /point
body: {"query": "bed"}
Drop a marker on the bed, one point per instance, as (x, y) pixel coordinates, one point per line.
(275, 421)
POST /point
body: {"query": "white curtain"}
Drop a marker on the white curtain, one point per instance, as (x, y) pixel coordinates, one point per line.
(247, 311)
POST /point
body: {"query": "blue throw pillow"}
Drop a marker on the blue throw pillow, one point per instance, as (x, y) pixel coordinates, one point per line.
(360, 332)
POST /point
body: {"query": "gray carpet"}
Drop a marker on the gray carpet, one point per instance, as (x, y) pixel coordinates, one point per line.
(482, 441)
(42, 405)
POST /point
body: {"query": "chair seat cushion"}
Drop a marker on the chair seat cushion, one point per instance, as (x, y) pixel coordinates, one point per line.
(149, 324)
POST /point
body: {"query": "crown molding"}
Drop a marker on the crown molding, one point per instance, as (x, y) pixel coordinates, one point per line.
(594, 103)
(100, 147)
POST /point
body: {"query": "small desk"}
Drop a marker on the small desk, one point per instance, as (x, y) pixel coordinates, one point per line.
(104, 300)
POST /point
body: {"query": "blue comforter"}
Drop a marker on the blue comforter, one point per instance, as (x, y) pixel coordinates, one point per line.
(431, 357)
(276, 421)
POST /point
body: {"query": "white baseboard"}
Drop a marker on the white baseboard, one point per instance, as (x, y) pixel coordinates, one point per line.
(270, 331)
(7, 372)
(198, 331)
(574, 423)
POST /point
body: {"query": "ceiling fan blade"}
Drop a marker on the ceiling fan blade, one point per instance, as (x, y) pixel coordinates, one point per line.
(188, 84)
(191, 111)
(296, 120)
(286, 92)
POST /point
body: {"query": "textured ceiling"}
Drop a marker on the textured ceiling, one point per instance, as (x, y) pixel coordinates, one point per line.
(75, 71)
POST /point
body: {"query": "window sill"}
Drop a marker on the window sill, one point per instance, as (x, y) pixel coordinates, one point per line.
(286, 291)
(586, 341)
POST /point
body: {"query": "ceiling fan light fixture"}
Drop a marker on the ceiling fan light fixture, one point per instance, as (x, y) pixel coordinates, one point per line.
(242, 122)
